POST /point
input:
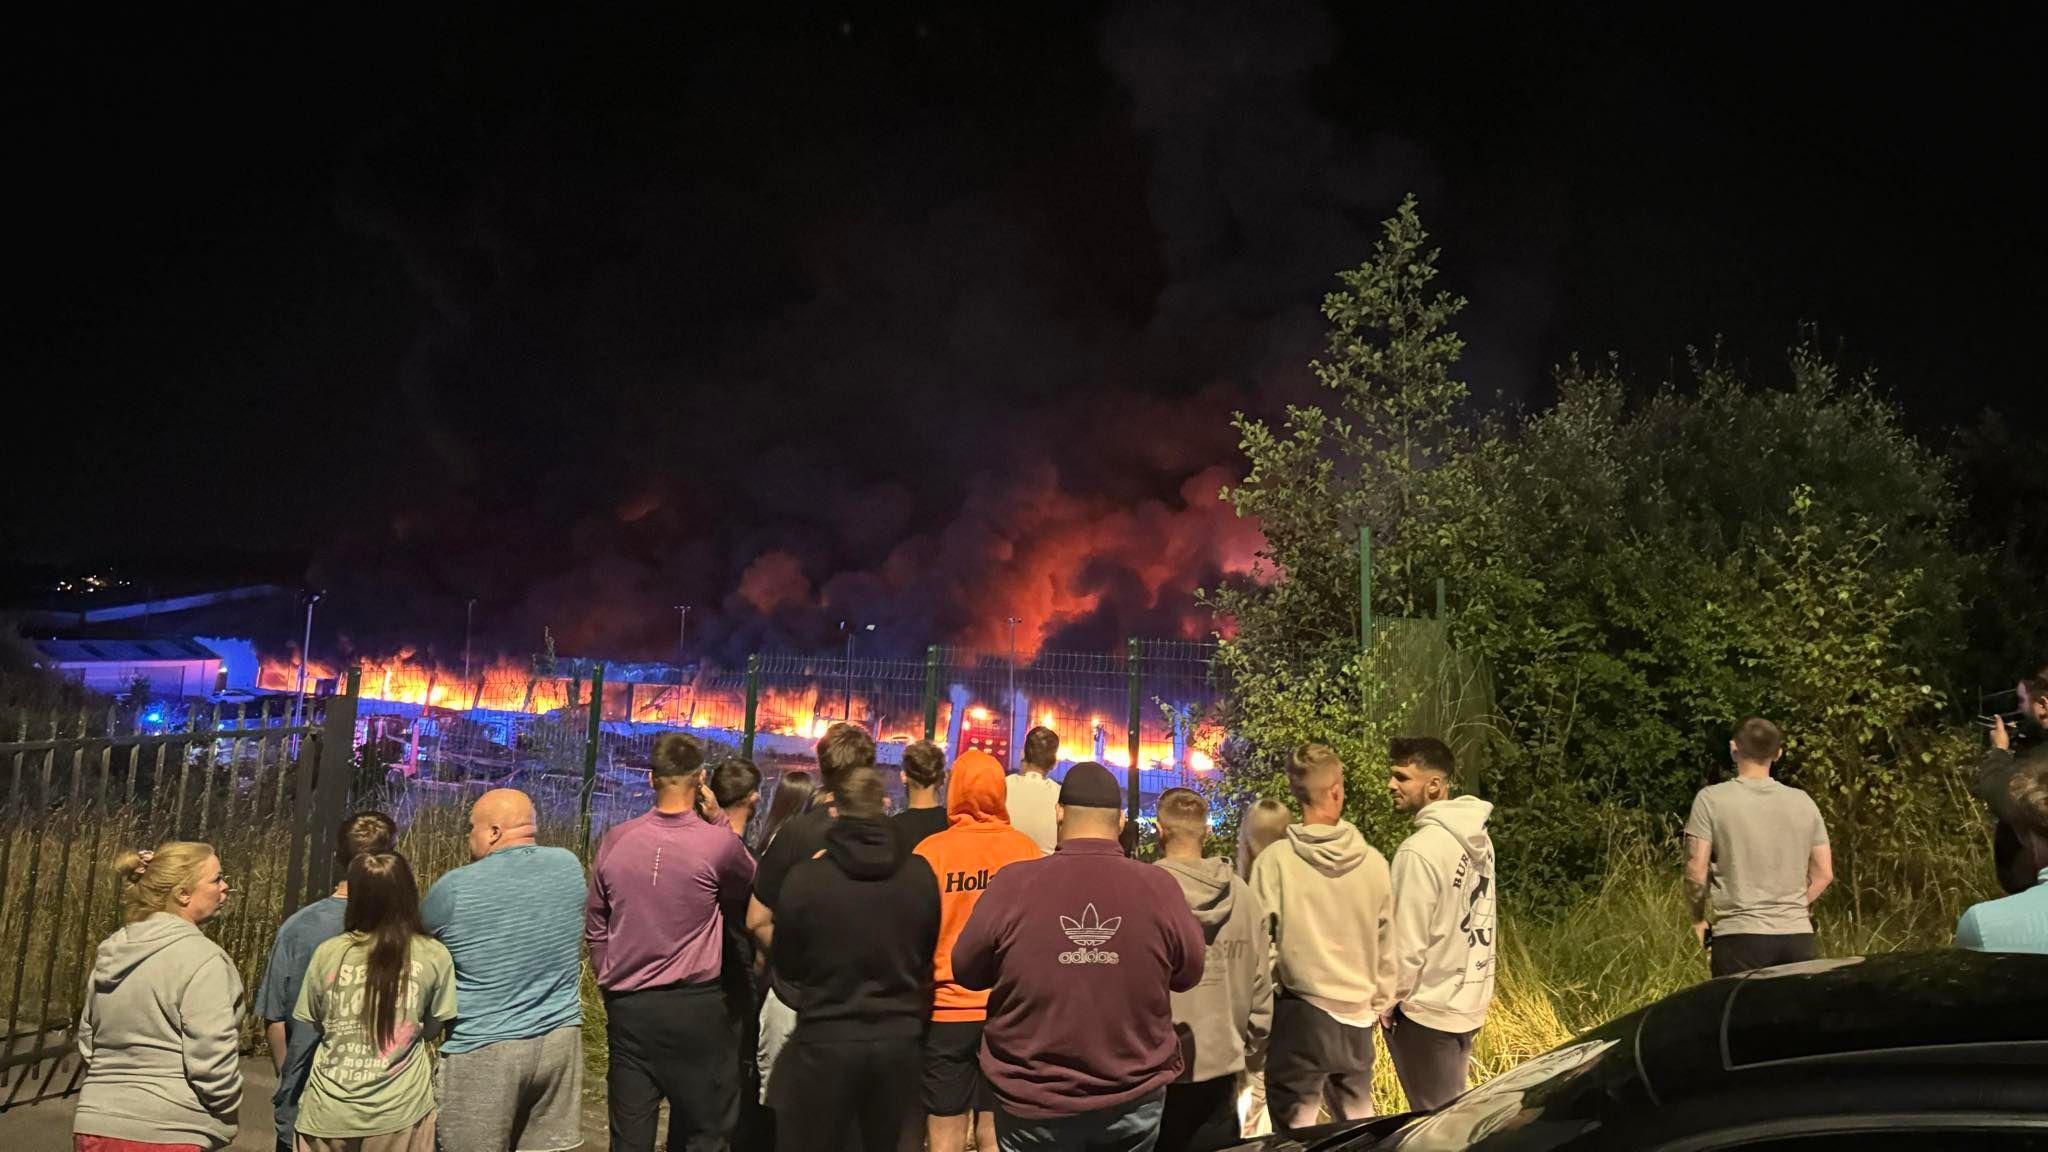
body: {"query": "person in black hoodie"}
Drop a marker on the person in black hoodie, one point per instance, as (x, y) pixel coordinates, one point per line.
(854, 934)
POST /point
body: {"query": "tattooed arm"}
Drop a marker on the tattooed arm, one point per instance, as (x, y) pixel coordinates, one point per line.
(1699, 855)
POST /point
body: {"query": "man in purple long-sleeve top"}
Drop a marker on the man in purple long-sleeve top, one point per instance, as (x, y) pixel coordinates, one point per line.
(661, 891)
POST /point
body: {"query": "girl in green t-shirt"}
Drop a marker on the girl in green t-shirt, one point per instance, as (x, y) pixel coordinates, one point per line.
(377, 993)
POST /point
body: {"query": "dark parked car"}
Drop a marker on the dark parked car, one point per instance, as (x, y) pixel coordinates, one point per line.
(1934, 1050)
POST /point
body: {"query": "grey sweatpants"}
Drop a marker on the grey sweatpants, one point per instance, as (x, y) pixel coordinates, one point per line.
(1315, 1061)
(516, 1095)
(1431, 1064)
(778, 1023)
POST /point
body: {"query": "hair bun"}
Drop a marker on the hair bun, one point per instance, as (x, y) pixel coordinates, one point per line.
(132, 865)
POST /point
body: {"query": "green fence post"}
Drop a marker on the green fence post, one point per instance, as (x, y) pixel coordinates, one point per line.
(1439, 598)
(753, 703)
(1131, 663)
(590, 742)
(931, 691)
(1365, 618)
(1364, 588)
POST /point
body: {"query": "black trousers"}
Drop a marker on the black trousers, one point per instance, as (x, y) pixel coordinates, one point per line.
(852, 1095)
(1200, 1116)
(755, 1127)
(676, 1043)
(1744, 951)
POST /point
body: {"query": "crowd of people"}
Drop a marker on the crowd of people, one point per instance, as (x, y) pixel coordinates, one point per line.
(987, 964)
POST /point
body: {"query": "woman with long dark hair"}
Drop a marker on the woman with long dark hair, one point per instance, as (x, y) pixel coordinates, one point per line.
(792, 798)
(377, 993)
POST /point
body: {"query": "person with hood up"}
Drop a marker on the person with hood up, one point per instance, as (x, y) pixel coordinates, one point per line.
(855, 930)
(977, 845)
(1444, 937)
(160, 1030)
(1332, 902)
(1227, 1015)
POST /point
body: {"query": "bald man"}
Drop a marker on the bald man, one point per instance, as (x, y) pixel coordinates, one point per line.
(512, 1063)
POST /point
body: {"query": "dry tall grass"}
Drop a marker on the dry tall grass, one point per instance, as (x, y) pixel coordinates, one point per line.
(1629, 945)
(66, 816)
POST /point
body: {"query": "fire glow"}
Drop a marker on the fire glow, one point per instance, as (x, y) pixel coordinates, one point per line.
(805, 712)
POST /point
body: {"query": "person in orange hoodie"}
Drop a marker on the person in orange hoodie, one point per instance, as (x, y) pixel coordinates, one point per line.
(977, 843)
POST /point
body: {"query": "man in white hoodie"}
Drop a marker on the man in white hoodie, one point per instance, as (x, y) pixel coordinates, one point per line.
(1332, 903)
(1444, 938)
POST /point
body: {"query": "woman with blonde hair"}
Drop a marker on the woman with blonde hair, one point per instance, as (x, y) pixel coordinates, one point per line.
(1263, 822)
(160, 1030)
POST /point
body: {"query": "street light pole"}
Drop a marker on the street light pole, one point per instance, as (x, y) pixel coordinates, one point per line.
(682, 629)
(850, 633)
(1010, 704)
(305, 655)
(468, 627)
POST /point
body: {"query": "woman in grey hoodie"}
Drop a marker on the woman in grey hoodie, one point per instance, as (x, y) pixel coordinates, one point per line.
(159, 1030)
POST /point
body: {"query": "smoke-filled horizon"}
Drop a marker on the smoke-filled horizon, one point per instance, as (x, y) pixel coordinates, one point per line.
(925, 319)
(967, 386)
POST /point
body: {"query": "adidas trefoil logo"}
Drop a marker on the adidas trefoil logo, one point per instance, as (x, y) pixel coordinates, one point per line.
(1090, 932)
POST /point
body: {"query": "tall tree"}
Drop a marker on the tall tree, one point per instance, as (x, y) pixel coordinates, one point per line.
(1292, 649)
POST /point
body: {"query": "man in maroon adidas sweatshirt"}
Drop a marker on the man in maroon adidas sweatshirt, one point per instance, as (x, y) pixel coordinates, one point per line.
(1079, 951)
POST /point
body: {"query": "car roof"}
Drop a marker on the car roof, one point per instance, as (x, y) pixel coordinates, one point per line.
(1778, 1027)
(1926, 1006)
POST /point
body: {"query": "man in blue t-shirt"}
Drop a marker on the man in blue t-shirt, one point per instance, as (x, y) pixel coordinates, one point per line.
(512, 1064)
(292, 1041)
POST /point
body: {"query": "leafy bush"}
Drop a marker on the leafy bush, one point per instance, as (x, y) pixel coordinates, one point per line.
(1629, 576)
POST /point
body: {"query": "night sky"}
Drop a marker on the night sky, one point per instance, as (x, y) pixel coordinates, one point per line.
(922, 318)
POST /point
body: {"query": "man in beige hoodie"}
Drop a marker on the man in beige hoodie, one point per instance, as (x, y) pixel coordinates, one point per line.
(1331, 899)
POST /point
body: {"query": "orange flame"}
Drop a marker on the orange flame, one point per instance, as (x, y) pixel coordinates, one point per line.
(508, 686)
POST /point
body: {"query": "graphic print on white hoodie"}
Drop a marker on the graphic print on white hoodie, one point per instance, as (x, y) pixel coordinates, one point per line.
(1445, 932)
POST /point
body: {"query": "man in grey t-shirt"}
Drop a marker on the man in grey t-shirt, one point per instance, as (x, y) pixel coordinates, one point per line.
(1758, 852)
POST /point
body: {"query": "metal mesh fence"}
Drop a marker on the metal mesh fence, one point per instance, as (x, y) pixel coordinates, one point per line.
(76, 791)
(435, 736)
